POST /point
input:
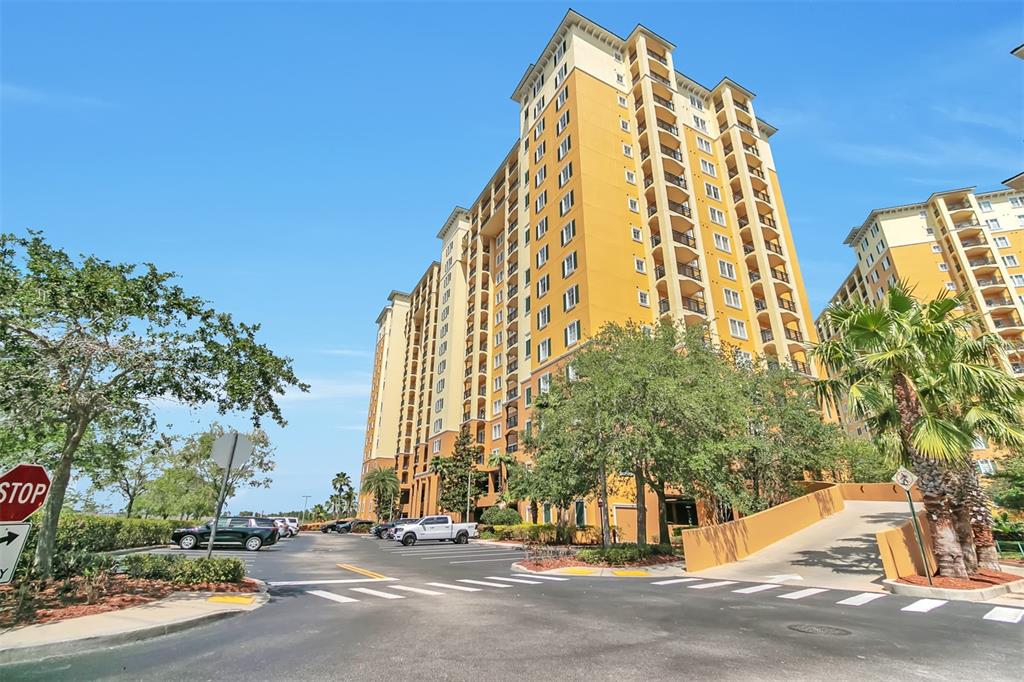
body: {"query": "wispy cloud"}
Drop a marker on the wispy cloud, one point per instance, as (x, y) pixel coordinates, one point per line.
(983, 119)
(329, 389)
(347, 352)
(17, 94)
(928, 152)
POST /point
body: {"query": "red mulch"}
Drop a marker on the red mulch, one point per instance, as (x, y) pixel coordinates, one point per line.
(56, 603)
(983, 578)
(548, 564)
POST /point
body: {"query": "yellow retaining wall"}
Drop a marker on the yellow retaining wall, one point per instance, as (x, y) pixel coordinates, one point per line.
(876, 492)
(900, 553)
(715, 545)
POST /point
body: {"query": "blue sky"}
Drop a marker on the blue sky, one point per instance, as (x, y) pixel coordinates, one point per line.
(293, 162)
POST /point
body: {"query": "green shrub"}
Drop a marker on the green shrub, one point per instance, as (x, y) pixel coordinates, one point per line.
(527, 532)
(216, 570)
(152, 566)
(625, 553)
(677, 532)
(496, 516)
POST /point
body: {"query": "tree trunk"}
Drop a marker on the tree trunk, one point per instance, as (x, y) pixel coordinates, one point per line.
(934, 483)
(663, 534)
(606, 531)
(128, 508)
(976, 502)
(641, 508)
(533, 511)
(46, 542)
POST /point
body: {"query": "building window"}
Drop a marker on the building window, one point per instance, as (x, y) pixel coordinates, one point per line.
(633, 204)
(950, 286)
(542, 286)
(726, 269)
(569, 264)
(1010, 261)
(627, 150)
(704, 145)
(541, 201)
(538, 153)
(496, 431)
(543, 350)
(538, 129)
(712, 191)
(542, 256)
(544, 382)
(630, 177)
(717, 216)
(563, 121)
(496, 407)
(886, 263)
(700, 124)
(565, 174)
(1002, 242)
(437, 425)
(943, 267)
(1018, 280)
(568, 232)
(986, 206)
(708, 168)
(1016, 202)
(622, 101)
(563, 96)
(624, 124)
(580, 513)
(723, 243)
(993, 224)
(564, 146)
(936, 248)
(737, 328)
(644, 298)
(542, 173)
(543, 317)
(572, 333)
(565, 203)
(637, 233)
(572, 296)
(732, 298)
(639, 264)
(542, 227)
(986, 467)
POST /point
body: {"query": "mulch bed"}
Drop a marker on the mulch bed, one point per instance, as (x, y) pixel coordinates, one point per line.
(61, 600)
(983, 578)
(548, 564)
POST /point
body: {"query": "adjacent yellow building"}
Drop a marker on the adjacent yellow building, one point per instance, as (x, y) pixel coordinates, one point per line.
(956, 240)
(632, 192)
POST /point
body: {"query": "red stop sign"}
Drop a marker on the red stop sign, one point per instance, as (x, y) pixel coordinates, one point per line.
(23, 489)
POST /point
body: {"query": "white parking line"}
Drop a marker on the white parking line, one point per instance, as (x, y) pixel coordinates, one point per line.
(463, 556)
(455, 587)
(861, 599)
(539, 577)
(755, 588)
(720, 583)
(477, 561)
(515, 580)
(285, 583)
(375, 593)
(482, 582)
(675, 580)
(1004, 615)
(924, 605)
(331, 596)
(800, 594)
(417, 590)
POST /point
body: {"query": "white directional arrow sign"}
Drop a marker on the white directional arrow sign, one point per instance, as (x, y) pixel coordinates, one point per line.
(12, 541)
(784, 577)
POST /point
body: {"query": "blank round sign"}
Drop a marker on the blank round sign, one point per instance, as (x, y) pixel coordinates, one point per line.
(222, 450)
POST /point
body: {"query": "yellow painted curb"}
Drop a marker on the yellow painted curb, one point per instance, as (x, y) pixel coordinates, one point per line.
(578, 571)
(231, 599)
(362, 571)
(631, 573)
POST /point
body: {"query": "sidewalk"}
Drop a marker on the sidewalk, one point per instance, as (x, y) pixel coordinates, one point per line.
(179, 611)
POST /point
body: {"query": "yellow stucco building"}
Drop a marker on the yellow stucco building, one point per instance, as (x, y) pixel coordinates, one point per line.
(957, 240)
(632, 192)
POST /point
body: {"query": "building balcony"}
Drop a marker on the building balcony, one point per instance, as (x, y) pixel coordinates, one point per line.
(794, 335)
(694, 305)
(760, 304)
(689, 271)
(766, 335)
(802, 367)
(667, 103)
(657, 57)
(684, 238)
(982, 262)
(681, 209)
(663, 305)
(780, 275)
(967, 225)
(999, 303)
(959, 206)
(667, 127)
(786, 304)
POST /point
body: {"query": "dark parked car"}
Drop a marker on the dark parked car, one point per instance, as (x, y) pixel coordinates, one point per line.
(381, 529)
(249, 531)
(343, 525)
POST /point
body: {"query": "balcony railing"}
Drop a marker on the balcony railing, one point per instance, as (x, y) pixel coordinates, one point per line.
(977, 241)
(760, 304)
(998, 302)
(794, 335)
(780, 275)
(659, 271)
(662, 305)
(686, 238)
(660, 79)
(657, 57)
(766, 335)
(981, 262)
(787, 305)
(801, 367)
(695, 306)
(667, 103)
(958, 205)
(770, 222)
(966, 224)
(655, 240)
(758, 172)
(664, 125)
(679, 208)
(677, 180)
(763, 196)
(755, 276)
(746, 127)
(671, 153)
(752, 149)
(741, 106)
(689, 271)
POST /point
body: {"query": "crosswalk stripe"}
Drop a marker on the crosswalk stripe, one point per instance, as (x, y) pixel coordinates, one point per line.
(1004, 615)
(337, 581)
(924, 605)
(482, 582)
(861, 599)
(515, 580)
(720, 583)
(755, 588)
(800, 594)
(331, 596)
(376, 593)
(674, 581)
(455, 587)
(540, 577)
(480, 561)
(417, 590)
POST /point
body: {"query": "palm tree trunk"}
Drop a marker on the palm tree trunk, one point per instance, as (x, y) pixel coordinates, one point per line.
(976, 501)
(965, 534)
(934, 484)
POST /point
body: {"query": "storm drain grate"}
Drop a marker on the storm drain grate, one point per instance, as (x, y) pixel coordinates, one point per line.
(809, 629)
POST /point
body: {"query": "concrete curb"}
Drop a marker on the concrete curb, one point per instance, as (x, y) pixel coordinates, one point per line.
(71, 647)
(136, 550)
(984, 594)
(608, 571)
(504, 545)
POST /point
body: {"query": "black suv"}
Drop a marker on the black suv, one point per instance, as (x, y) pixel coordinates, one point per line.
(252, 532)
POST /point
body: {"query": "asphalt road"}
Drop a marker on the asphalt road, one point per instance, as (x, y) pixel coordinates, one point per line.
(460, 612)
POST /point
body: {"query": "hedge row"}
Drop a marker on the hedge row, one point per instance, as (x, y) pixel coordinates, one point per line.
(625, 553)
(181, 570)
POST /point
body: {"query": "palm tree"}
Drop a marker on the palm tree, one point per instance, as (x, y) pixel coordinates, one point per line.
(339, 484)
(318, 512)
(383, 486)
(348, 501)
(926, 388)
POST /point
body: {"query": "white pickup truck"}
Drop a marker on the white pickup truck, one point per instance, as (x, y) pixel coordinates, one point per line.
(438, 528)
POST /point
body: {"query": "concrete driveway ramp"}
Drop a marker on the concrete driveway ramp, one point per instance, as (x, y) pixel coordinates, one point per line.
(839, 552)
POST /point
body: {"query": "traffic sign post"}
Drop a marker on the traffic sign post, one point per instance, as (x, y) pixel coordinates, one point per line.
(230, 450)
(906, 479)
(12, 541)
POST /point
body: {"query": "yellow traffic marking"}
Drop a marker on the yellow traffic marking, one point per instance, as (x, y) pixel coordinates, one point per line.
(637, 574)
(232, 599)
(577, 571)
(362, 571)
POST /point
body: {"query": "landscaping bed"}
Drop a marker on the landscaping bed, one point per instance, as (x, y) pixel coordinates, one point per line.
(626, 554)
(108, 586)
(976, 581)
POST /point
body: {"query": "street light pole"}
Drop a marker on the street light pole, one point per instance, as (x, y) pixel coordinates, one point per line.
(305, 505)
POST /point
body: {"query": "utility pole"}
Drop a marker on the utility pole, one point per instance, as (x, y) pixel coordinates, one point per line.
(305, 504)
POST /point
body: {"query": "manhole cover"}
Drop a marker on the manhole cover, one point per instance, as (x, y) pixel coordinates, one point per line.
(808, 629)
